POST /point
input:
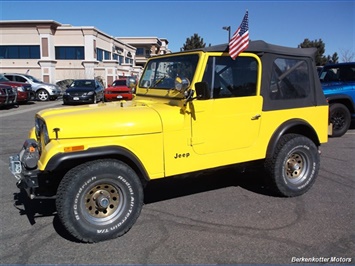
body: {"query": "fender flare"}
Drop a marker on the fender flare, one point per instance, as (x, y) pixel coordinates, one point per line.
(297, 126)
(342, 98)
(67, 160)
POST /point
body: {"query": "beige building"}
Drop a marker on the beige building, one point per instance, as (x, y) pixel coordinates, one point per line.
(51, 51)
(146, 47)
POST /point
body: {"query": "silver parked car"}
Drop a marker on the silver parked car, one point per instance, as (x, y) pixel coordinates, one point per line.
(43, 91)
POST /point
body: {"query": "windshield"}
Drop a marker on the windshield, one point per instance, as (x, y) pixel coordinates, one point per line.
(33, 79)
(338, 73)
(3, 78)
(161, 72)
(121, 82)
(83, 83)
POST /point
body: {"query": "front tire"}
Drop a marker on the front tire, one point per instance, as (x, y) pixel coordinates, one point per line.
(294, 166)
(340, 117)
(42, 95)
(99, 200)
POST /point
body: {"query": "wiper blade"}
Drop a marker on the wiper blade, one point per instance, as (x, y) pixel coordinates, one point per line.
(157, 82)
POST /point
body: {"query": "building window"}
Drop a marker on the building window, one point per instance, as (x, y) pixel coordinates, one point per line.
(99, 54)
(115, 56)
(129, 61)
(20, 52)
(69, 52)
(107, 55)
(121, 59)
(140, 51)
(102, 54)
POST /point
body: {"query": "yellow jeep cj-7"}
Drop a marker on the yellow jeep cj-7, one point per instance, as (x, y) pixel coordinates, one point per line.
(194, 110)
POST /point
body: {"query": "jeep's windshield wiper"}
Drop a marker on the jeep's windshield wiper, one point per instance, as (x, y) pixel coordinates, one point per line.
(157, 82)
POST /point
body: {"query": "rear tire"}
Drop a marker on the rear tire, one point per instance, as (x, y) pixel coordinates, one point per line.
(99, 200)
(294, 166)
(340, 117)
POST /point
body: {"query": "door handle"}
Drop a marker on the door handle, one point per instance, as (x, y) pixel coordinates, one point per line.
(256, 117)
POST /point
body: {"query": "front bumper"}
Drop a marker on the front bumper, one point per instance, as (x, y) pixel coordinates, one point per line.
(57, 92)
(78, 99)
(118, 96)
(24, 166)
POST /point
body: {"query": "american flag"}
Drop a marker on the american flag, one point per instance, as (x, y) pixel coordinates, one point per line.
(240, 39)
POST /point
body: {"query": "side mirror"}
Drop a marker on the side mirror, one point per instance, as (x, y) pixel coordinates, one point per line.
(131, 83)
(202, 91)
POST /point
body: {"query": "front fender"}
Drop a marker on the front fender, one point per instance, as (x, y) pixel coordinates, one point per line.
(62, 161)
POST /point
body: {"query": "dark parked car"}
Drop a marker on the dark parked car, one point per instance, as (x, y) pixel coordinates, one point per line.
(7, 95)
(84, 91)
(338, 83)
(23, 90)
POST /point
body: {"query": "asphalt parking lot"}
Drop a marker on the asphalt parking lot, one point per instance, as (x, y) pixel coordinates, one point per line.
(218, 218)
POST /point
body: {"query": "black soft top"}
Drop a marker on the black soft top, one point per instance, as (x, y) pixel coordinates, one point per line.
(268, 53)
(264, 47)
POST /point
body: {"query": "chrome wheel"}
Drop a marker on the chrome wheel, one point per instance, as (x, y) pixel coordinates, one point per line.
(102, 201)
(42, 95)
(296, 168)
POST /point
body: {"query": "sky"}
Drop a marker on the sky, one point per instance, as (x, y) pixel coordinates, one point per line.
(285, 23)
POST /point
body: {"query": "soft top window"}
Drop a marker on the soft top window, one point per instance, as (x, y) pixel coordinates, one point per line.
(289, 79)
(231, 78)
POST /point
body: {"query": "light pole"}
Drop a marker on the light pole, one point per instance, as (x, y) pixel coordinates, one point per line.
(228, 28)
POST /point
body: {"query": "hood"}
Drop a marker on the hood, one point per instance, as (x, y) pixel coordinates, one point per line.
(101, 120)
(37, 85)
(80, 89)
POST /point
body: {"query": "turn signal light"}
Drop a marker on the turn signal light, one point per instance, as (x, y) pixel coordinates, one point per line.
(74, 148)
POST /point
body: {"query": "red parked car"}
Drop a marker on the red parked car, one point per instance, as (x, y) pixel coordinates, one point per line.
(24, 90)
(7, 95)
(121, 89)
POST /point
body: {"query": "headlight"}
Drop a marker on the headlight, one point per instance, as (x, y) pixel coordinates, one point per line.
(45, 134)
(88, 93)
(41, 131)
(54, 88)
(20, 88)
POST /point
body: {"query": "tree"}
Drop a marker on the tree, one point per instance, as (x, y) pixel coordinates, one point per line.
(321, 59)
(319, 44)
(333, 59)
(347, 55)
(193, 42)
